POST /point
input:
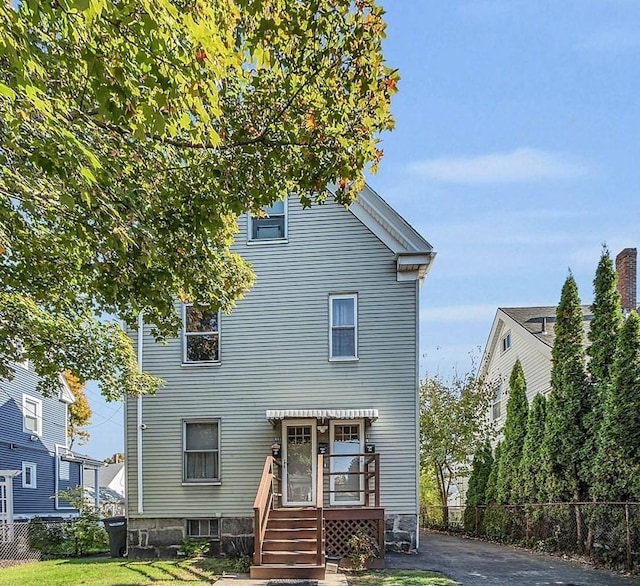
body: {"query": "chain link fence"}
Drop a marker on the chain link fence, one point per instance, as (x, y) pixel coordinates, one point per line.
(14, 545)
(26, 541)
(607, 533)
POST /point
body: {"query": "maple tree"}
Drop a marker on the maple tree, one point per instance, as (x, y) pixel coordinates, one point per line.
(133, 133)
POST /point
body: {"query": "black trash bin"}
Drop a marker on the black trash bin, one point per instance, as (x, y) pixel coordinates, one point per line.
(117, 529)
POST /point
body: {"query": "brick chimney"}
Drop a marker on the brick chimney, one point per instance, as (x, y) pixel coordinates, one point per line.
(626, 267)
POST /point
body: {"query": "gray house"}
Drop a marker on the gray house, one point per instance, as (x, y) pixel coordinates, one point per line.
(290, 423)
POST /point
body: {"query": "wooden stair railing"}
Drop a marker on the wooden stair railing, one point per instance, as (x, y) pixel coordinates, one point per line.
(319, 509)
(262, 505)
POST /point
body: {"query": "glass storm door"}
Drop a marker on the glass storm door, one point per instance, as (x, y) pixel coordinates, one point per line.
(299, 463)
(347, 480)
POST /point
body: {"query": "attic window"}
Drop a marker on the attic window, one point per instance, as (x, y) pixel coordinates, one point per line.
(272, 225)
(506, 342)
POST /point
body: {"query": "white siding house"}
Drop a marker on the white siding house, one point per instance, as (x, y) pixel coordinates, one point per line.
(525, 333)
(319, 357)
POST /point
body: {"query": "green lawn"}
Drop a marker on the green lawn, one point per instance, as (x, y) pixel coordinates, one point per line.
(113, 572)
(400, 578)
(117, 572)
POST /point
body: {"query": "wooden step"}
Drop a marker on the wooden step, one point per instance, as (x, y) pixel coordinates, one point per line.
(290, 534)
(286, 572)
(296, 513)
(289, 545)
(292, 523)
(289, 557)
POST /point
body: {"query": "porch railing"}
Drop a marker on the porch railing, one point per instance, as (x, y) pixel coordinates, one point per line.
(366, 470)
(319, 511)
(265, 497)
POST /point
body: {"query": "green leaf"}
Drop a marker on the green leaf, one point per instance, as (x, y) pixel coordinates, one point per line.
(6, 91)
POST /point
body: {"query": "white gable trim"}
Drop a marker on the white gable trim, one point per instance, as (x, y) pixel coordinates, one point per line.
(502, 319)
(414, 255)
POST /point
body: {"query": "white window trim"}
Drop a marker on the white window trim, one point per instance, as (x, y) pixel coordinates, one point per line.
(38, 403)
(503, 342)
(204, 481)
(255, 241)
(34, 481)
(353, 296)
(185, 334)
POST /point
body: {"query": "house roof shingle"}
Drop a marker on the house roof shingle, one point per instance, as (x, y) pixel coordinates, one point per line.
(541, 321)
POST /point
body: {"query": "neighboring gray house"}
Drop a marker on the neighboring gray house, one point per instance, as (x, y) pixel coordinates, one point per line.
(320, 357)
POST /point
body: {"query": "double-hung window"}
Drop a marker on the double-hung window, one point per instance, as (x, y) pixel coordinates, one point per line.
(32, 415)
(201, 450)
(271, 225)
(201, 335)
(497, 402)
(506, 341)
(343, 327)
(29, 475)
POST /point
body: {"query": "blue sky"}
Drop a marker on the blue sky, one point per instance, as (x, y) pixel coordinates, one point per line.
(516, 154)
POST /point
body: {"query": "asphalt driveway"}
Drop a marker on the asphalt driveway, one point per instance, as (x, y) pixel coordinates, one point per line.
(473, 562)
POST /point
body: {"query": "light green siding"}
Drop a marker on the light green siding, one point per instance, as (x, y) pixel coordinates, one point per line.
(274, 355)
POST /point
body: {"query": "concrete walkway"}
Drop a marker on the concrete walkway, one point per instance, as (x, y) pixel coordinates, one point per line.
(472, 562)
(243, 580)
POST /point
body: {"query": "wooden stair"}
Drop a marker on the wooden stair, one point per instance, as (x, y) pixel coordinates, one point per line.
(290, 546)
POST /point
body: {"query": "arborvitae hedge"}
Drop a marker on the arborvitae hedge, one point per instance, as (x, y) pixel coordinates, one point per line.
(515, 431)
(617, 466)
(532, 465)
(566, 432)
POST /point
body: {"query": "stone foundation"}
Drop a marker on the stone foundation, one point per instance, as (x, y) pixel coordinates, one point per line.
(401, 532)
(162, 538)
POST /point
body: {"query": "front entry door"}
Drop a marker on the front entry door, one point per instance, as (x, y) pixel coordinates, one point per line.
(299, 463)
(347, 465)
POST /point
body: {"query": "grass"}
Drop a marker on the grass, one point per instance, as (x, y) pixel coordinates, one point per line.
(400, 578)
(115, 572)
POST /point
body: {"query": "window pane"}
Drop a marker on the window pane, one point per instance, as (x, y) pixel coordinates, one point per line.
(202, 348)
(202, 465)
(30, 409)
(277, 208)
(343, 342)
(264, 228)
(201, 436)
(31, 423)
(343, 314)
(201, 320)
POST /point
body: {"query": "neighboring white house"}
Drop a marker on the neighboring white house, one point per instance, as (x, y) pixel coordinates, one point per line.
(525, 333)
(111, 479)
(320, 357)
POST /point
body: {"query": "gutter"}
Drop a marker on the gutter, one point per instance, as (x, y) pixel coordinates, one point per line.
(139, 418)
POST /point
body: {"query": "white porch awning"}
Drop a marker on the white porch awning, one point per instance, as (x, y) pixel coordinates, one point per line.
(274, 415)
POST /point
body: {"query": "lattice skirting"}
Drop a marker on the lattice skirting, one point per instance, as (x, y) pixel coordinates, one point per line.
(341, 524)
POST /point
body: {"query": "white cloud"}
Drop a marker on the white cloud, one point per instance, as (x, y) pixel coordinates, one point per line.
(520, 165)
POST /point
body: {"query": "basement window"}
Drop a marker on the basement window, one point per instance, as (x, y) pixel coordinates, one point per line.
(209, 528)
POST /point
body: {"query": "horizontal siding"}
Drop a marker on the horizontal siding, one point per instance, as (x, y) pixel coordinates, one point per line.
(535, 365)
(274, 355)
(40, 451)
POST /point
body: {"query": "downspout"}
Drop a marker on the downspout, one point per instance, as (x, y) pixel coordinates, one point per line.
(139, 417)
(417, 387)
